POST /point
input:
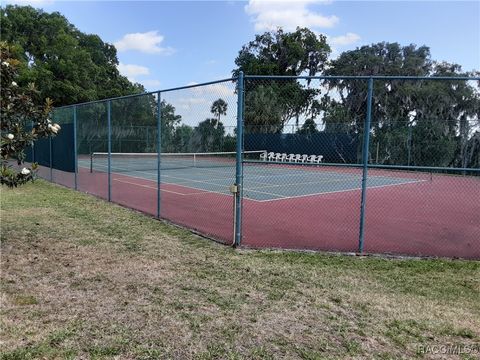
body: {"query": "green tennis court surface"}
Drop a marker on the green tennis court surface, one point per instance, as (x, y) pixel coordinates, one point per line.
(263, 183)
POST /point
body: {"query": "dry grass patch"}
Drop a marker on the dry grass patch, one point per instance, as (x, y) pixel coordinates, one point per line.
(82, 278)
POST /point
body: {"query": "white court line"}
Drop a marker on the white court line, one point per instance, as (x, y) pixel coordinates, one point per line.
(264, 192)
(299, 172)
(281, 197)
(203, 191)
(193, 180)
(169, 183)
(155, 188)
(155, 174)
(212, 170)
(127, 170)
(340, 191)
(319, 182)
(191, 187)
(302, 183)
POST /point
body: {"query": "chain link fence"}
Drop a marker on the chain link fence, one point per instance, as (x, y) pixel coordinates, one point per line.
(387, 165)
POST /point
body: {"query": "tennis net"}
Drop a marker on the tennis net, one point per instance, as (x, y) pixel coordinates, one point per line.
(127, 162)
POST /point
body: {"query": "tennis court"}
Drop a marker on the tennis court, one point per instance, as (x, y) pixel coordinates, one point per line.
(420, 195)
(194, 174)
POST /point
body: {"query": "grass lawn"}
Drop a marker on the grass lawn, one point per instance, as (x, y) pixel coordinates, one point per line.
(82, 278)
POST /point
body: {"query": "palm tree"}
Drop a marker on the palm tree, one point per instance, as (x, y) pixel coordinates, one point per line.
(219, 107)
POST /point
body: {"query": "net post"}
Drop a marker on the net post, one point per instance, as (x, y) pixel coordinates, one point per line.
(366, 144)
(109, 160)
(75, 152)
(239, 164)
(159, 148)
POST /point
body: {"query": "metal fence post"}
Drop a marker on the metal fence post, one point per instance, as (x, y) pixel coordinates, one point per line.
(33, 147)
(409, 144)
(366, 144)
(50, 157)
(159, 149)
(109, 161)
(147, 138)
(239, 164)
(75, 154)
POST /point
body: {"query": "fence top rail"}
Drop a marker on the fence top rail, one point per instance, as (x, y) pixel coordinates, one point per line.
(147, 93)
(198, 85)
(280, 77)
(364, 77)
(107, 99)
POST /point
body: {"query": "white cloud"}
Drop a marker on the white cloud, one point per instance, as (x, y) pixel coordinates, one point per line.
(189, 103)
(150, 83)
(268, 15)
(207, 94)
(148, 42)
(347, 39)
(214, 91)
(131, 71)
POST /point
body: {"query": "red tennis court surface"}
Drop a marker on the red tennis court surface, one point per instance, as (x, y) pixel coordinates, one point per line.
(437, 215)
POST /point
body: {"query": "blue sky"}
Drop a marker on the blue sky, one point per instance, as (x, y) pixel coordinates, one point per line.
(165, 44)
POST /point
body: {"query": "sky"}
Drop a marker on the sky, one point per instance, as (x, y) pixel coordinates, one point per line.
(164, 44)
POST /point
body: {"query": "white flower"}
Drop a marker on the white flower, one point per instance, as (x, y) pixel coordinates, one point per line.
(25, 171)
(5, 63)
(14, 83)
(10, 136)
(49, 121)
(54, 128)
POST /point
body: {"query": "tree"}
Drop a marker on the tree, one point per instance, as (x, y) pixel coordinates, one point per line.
(181, 138)
(208, 136)
(22, 121)
(281, 53)
(262, 112)
(170, 121)
(473, 150)
(309, 127)
(134, 124)
(288, 54)
(219, 107)
(408, 116)
(66, 64)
